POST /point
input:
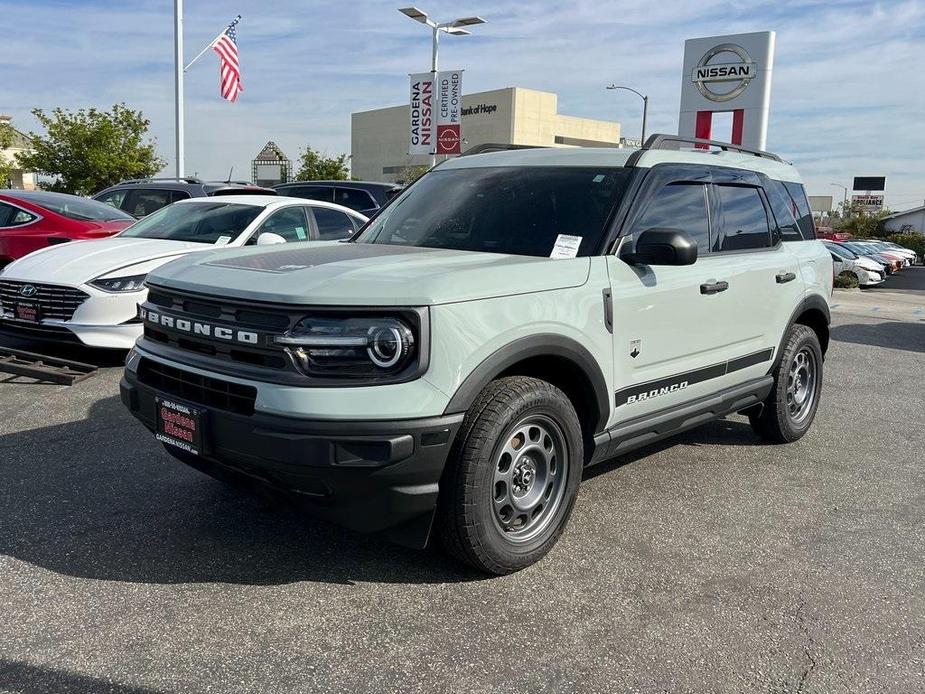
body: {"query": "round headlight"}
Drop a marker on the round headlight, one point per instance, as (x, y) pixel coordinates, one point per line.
(388, 345)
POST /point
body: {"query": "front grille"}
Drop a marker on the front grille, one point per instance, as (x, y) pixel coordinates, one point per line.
(228, 314)
(199, 390)
(55, 302)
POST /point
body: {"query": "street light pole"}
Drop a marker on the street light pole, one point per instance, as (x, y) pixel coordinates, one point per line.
(645, 106)
(845, 201)
(454, 28)
(178, 81)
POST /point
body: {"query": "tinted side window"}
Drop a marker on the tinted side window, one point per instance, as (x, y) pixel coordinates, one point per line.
(13, 216)
(678, 206)
(309, 192)
(783, 209)
(741, 220)
(114, 198)
(358, 200)
(289, 223)
(332, 224)
(801, 211)
(141, 203)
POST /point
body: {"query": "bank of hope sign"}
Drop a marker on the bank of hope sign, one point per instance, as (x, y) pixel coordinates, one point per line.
(436, 113)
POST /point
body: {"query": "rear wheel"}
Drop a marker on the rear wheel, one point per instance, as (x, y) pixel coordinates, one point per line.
(513, 478)
(791, 406)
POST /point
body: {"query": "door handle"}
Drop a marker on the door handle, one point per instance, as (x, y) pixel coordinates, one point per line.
(713, 287)
(784, 277)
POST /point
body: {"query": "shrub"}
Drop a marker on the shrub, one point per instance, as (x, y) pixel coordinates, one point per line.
(911, 240)
(846, 280)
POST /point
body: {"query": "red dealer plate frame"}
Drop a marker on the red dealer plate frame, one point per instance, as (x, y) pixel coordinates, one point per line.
(180, 425)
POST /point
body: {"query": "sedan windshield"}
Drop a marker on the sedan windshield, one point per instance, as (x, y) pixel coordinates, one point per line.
(841, 251)
(537, 211)
(73, 207)
(200, 222)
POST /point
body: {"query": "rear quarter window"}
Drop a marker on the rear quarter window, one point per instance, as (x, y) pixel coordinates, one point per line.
(802, 213)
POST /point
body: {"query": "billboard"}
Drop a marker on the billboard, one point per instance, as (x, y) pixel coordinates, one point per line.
(421, 123)
(820, 203)
(724, 74)
(449, 112)
(868, 203)
(869, 183)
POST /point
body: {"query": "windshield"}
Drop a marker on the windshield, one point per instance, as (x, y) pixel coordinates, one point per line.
(200, 222)
(73, 207)
(537, 211)
(841, 251)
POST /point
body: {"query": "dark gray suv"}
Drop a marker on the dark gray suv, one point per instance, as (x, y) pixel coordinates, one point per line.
(142, 196)
(365, 197)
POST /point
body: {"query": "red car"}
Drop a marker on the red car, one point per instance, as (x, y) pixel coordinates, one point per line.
(30, 220)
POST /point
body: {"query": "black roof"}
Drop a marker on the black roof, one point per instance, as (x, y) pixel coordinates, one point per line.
(362, 185)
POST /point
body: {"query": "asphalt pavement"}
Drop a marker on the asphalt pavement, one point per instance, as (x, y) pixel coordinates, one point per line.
(708, 563)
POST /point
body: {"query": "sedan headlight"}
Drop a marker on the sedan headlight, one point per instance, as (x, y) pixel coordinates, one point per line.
(361, 348)
(117, 285)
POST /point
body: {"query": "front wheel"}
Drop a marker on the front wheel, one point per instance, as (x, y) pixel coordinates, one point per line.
(509, 488)
(791, 406)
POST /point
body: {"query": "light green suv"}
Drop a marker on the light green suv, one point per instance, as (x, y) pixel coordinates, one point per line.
(508, 320)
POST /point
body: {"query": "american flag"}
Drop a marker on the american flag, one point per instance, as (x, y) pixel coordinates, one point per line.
(226, 46)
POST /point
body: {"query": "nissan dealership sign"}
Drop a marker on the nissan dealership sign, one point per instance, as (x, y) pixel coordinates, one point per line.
(728, 74)
(714, 80)
(435, 125)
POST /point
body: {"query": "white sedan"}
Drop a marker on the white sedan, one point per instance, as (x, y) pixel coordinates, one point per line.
(88, 291)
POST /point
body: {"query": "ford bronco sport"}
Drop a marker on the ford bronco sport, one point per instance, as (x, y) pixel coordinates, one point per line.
(508, 320)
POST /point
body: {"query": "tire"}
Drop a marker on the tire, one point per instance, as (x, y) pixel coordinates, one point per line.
(501, 513)
(791, 406)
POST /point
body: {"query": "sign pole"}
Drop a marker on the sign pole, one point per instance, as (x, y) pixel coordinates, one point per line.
(433, 71)
(178, 77)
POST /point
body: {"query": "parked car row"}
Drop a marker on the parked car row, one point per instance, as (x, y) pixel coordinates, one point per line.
(869, 261)
(88, 291)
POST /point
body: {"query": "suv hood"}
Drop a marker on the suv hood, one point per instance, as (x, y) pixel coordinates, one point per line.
(355, 274)
(77, 262)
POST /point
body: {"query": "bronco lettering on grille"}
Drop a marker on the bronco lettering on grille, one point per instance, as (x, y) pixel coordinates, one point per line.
(196, 328)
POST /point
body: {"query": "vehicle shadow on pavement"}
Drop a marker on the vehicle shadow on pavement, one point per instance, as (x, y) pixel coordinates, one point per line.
(902, 335)
(721, 432)
(16, 676)
(100, 499)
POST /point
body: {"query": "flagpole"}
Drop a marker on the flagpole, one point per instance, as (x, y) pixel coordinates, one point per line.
(178, 66)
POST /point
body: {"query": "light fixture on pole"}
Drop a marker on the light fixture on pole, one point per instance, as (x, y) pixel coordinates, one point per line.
(454, 28)
(645, 107)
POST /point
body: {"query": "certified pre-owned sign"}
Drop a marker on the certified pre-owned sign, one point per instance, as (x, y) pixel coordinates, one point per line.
(739, 73)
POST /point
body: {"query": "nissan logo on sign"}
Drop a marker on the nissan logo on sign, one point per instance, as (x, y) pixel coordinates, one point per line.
(738, 73)
(28, 290)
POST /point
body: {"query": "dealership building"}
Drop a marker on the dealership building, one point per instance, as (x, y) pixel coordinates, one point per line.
(379, 139)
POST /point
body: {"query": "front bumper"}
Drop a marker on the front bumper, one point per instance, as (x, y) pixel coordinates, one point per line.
(369, 476)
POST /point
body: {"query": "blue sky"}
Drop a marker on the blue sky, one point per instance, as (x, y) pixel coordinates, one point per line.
(848, 89)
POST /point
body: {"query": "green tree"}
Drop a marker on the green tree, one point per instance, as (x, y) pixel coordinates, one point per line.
(315, 166)
(410, 173)
(6, 166)
(88, 149)
(857, 222)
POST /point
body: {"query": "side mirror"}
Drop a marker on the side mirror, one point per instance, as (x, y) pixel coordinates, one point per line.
(268, 238)
(663, 247)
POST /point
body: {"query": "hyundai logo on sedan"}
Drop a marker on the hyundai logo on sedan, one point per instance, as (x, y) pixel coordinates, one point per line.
(28, 290)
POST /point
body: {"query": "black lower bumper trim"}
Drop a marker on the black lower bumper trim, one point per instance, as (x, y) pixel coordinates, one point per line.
(369, 476)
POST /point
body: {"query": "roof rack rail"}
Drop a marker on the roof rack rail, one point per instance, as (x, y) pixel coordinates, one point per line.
(657, 140)
(185, 179)
(495, 147)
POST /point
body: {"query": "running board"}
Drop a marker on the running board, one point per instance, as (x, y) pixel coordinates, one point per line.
(647, 429)
(41, 367)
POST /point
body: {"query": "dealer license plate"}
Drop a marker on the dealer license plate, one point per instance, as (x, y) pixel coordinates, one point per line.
(180, 425)
(28, 310)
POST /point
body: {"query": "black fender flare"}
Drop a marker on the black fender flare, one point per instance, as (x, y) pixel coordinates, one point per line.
(811, 302)
(541, 345)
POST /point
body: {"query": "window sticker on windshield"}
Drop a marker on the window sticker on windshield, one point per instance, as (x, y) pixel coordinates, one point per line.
(300, 232)
(598, 178)
(566, 246)
(222, 240)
